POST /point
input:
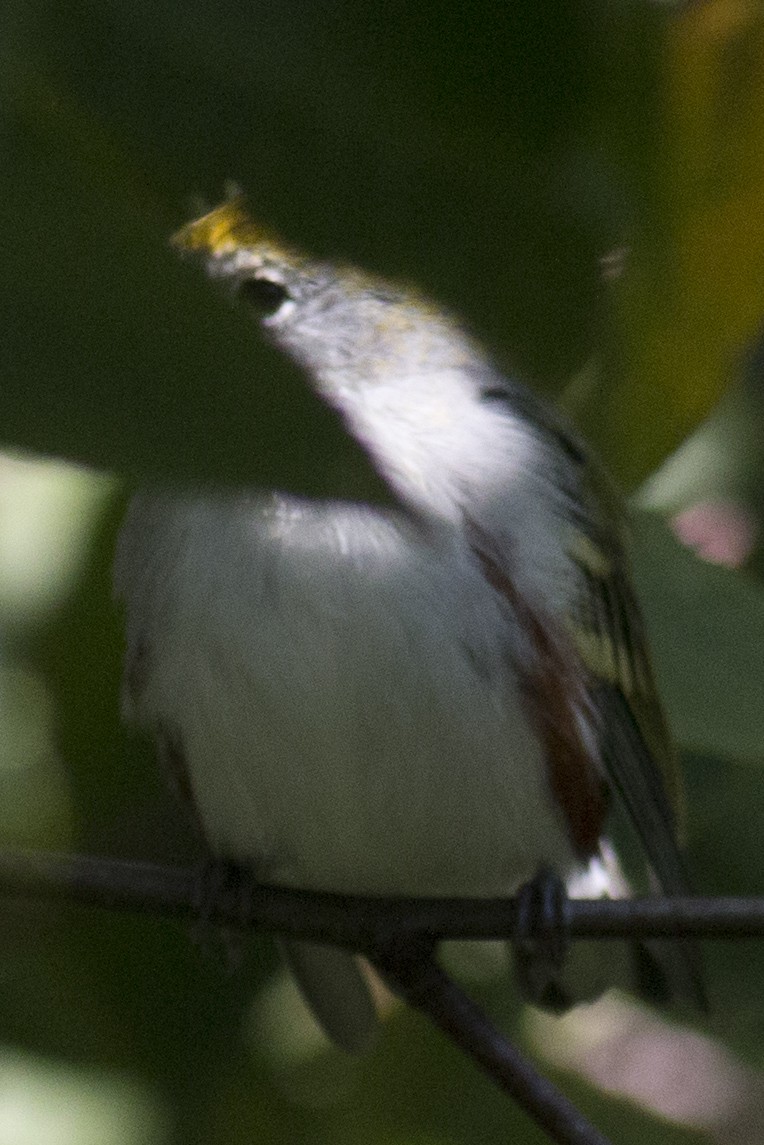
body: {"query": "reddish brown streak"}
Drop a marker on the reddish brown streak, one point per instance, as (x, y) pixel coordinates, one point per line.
(550, 684)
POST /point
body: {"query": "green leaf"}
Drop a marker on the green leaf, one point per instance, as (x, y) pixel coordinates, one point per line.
(417, 140)
(706, 630)
(116, 355)
(493, 158)
(692, 296)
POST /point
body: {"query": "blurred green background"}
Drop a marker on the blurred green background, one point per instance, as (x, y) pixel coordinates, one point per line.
(584, 183)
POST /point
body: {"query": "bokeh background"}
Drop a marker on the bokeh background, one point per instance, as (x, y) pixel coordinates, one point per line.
(584, 183)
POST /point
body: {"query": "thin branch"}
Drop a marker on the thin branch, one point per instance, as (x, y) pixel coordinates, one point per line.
(418, 979)
(398, 935)
(355, 921)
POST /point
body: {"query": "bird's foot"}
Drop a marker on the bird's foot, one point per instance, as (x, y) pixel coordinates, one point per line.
(541, 939)
(223, 888)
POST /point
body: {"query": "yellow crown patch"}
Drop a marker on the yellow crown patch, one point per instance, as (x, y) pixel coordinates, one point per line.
(227, 228)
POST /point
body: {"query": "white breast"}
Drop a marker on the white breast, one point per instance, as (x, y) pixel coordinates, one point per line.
(341, 686)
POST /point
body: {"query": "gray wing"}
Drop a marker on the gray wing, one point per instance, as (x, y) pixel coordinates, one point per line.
(638, 753)
(637, 750)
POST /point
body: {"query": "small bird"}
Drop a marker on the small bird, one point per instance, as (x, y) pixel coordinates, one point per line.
(434, 697)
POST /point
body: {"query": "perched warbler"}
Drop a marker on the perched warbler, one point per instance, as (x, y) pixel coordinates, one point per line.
(433, 698)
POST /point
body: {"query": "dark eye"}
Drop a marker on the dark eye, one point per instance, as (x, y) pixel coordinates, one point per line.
(494, 394)
(263, 295)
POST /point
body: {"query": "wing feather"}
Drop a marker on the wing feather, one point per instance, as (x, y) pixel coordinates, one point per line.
(605, 630)
(637, 750)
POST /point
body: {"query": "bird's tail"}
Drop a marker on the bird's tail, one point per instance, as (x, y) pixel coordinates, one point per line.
(333, 985)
